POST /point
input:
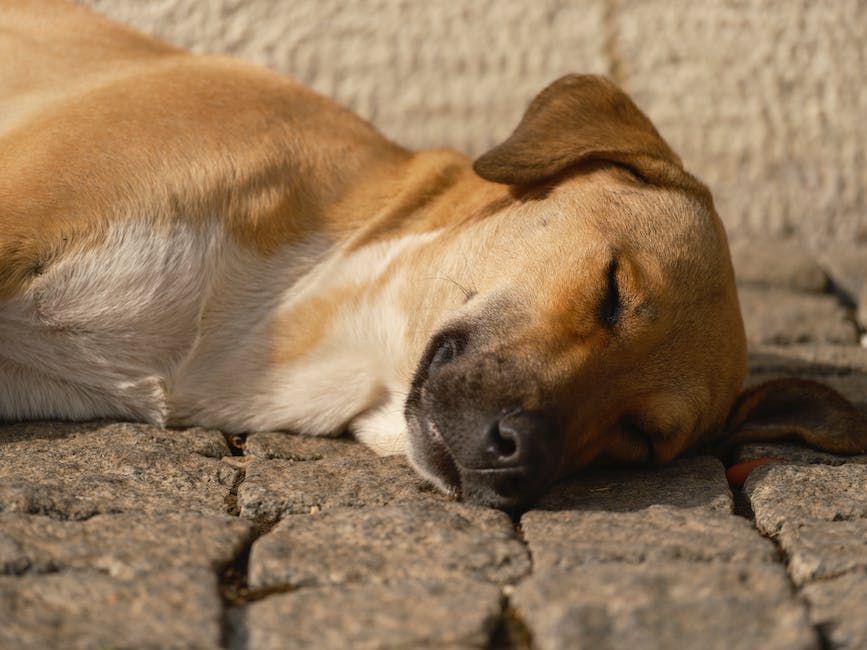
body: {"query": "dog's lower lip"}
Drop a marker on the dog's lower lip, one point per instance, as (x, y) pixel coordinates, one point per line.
(449, 473)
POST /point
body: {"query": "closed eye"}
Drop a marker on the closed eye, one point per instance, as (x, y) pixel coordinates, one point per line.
(610, 308)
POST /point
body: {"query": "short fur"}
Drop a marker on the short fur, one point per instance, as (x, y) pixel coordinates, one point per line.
(193, 240)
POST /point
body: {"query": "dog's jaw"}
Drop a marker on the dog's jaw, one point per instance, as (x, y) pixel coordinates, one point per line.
(430, 456)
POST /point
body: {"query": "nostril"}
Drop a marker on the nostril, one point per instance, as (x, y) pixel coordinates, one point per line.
(516, 438)
(504, 441)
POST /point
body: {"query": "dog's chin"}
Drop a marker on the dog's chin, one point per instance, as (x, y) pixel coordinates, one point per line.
(430, 455)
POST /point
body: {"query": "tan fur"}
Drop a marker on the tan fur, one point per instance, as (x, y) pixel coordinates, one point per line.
(289, 267)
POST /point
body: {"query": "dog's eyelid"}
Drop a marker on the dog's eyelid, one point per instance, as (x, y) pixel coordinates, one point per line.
(611, 306)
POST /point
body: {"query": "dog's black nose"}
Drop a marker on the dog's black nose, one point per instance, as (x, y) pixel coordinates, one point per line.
(510, 439)
(515, 461)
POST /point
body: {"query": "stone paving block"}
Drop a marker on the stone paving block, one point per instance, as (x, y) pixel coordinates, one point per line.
(686, 483)
(843, 368)
(73, 471)
(172, 608)
(460, 614)
(781, 264)
(837, 606)
(792, 453)
(120, 546)
(824, 549)
(665, 605)
(278, 444)
(819, 359)
(789, 494)
(846, 263)
(572, 538)
(275, 488)
(785, 317)
(861, 314)
(440, 542)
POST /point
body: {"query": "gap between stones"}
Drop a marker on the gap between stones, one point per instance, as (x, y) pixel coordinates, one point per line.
(510, 632)
(742, 508)
(234, 586)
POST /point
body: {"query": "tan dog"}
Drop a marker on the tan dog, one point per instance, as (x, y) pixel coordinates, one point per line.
(192, 240)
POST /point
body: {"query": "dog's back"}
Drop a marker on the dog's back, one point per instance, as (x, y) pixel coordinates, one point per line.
(153, 205)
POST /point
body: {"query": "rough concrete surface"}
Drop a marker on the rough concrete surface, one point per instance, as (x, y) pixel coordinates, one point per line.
(127, 536)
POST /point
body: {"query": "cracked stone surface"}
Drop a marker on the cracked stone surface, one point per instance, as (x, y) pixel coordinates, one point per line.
(781, 494)
(76, 471)
(573, 538)
(122, 545)
(169, 608)
(778, 265)
(665, 605)
(785, 317)
(127, 536)
(824, 550)
(421, 541)
(460, 614)
(686, 483)
(837, 608)
(279, 487)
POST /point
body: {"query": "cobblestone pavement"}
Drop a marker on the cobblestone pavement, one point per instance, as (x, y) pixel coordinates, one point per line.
(126, 536)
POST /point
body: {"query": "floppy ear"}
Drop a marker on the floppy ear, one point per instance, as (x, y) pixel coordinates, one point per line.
(799, 409)
(575, 119)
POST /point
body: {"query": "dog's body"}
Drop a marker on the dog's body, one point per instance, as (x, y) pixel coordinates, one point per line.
(192, 240)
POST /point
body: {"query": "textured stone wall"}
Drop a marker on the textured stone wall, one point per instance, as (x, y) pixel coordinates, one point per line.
(765, 100)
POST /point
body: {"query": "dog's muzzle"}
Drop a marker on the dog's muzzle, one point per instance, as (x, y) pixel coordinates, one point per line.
(469, 433)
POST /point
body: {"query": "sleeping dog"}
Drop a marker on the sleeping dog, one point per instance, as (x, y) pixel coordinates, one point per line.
(193, 240)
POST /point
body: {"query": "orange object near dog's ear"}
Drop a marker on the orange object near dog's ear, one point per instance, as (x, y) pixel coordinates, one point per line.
(581, 118)
(737, 474)
(796, 409)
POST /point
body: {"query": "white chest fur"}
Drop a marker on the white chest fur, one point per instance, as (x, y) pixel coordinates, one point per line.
(352, 374)
(97, 334)
(177, 326)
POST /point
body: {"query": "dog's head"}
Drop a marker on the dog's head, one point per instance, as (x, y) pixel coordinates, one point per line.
(604, 321)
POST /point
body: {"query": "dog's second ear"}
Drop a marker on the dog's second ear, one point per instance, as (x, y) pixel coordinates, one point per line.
(796, 409)
(579, 118)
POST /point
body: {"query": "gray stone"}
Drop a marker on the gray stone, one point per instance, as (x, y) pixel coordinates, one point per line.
(664, 605)
(571, 538)
(818, 360)
(460, 614)
(73, 471)
(170, 608)
(783, 264)
(837, 607)
(789, 494)
(846, 263)
(784, 317)
(861, 313)
(120, 546)
(824, 549)
(441, 542)
(843, 368)
(274, 488)
(686, 483)
(792, 453)
(278, 444)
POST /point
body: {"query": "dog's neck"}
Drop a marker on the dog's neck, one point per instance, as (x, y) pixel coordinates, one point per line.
(365, 292)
